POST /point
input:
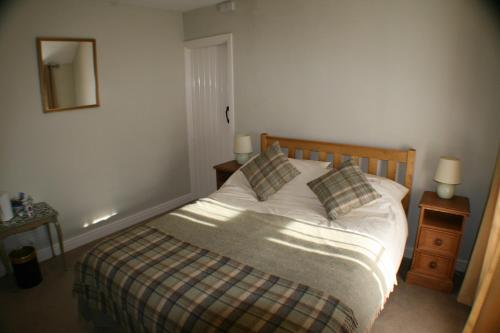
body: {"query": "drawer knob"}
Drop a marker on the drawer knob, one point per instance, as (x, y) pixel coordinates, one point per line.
(433, 264)
(438, 242)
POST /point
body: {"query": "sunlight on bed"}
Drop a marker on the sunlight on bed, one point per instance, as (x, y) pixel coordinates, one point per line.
(328, 241)
(341, 239)
(334, 255)
(310, 250)
(191, 219)
(213, 210)
(369, 247)
(306, 236)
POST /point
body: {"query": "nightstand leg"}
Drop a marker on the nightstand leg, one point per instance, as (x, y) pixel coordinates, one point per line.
(5, 259)
(61, 245)
(50, 240)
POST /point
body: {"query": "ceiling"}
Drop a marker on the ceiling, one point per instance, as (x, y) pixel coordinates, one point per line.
(178, 5)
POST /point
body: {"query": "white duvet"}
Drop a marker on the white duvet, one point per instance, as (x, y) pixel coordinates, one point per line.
(383, 219)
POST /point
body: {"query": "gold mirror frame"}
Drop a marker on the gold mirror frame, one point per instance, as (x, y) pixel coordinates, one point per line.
(41, 69)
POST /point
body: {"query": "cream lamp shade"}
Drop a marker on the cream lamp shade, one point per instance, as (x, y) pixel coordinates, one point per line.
(242, 144)
(242, 148)
(447, 175)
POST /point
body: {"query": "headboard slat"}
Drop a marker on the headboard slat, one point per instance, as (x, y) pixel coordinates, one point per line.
(306, 154)
(373, 154)
(337, 158)
(372, 166)
(322, 155)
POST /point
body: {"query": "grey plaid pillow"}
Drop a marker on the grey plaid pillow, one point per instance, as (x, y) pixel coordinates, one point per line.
(269, 172)
(343, 190)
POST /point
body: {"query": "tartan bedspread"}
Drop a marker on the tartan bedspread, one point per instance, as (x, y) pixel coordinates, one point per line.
(149, 281)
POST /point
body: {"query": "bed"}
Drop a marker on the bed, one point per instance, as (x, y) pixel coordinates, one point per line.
(229, 262)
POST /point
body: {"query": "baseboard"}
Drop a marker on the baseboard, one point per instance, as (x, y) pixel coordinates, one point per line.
(461, 264)
(111, 227)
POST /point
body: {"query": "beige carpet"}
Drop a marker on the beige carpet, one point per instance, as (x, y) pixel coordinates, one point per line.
(50, 307)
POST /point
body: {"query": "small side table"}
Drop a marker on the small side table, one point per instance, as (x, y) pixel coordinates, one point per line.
(43, 215)
(440, 230)
(224, 171)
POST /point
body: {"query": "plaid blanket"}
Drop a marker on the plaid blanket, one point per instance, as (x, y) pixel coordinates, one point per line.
(150, 281)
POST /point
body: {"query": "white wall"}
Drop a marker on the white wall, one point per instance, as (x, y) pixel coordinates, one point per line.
(387, 73)
(125, 156)
(83, 64)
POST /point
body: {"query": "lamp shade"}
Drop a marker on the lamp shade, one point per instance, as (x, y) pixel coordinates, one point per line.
(242, 144)
(448, 171)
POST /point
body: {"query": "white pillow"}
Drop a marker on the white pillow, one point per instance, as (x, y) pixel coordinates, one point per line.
(297, 187)
(387, 186)
(310, 170)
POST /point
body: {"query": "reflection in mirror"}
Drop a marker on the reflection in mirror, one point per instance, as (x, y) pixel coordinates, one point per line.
(68, 74)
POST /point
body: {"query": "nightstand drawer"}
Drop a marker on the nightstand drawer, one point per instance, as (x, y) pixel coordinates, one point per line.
(437, 241)
(429, 264)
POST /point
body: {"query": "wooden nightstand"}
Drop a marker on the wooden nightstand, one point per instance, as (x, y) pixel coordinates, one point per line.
(440, 230)
(224, 171)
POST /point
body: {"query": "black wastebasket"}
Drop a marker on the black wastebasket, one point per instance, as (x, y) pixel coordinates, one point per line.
(25, 265)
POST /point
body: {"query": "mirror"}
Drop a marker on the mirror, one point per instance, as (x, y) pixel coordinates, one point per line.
(68, 73)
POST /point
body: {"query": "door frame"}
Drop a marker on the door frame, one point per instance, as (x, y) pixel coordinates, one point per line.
(195, 44)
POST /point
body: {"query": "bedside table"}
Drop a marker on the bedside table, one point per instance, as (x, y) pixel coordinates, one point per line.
(440, 230)
(43, 215)
(224, 171)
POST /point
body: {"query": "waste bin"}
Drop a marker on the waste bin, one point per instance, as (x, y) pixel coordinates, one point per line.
(25, 265)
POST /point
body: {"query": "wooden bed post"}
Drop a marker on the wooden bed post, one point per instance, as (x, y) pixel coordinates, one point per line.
(410, 167)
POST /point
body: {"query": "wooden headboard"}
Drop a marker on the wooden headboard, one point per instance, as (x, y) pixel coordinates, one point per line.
(393, 157)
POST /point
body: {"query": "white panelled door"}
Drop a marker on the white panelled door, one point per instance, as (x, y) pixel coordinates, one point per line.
(210, 114)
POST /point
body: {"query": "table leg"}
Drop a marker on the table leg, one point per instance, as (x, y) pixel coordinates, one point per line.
(50, 240)
(61, 244)
(5, 259)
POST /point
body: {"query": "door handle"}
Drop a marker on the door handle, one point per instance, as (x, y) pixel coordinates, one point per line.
(227, 114)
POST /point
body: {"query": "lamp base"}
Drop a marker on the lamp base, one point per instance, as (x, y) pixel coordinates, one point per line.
(445, 191)
(242, 158)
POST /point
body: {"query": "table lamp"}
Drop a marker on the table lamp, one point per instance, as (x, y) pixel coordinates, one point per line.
(447, 176)
(242, 148)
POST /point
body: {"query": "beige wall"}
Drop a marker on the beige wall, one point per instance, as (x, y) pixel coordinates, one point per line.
(125, 156)
(424, 74)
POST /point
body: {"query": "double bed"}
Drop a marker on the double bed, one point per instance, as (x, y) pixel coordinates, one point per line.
(230, 262)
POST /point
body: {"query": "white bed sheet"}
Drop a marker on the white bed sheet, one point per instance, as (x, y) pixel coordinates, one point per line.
(383, 219)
